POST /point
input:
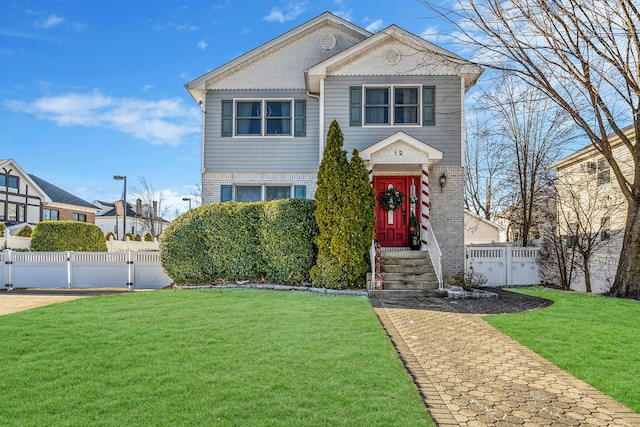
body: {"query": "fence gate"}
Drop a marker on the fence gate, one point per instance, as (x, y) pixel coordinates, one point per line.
(503, 265)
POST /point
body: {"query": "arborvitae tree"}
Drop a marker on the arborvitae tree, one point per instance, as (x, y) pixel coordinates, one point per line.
(329, 200)
(357, 226)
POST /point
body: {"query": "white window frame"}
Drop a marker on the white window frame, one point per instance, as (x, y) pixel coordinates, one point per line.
(392, 105)
(263, 189)
(263, 118)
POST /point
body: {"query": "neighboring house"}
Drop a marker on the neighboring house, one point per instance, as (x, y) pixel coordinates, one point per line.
(110, 218)
(590, 201)
(26, 198)
(398, 99)
(479, 230)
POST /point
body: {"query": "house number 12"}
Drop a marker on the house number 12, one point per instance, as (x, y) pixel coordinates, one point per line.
(398, 153)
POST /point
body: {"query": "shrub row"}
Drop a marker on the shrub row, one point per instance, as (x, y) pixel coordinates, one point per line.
(60, 236)
(271, 241)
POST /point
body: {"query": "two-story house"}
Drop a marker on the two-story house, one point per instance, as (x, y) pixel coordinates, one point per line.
(26, 198)
(591, 207)
(398, 99)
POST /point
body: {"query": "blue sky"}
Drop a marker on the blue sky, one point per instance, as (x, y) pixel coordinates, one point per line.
(92, 89)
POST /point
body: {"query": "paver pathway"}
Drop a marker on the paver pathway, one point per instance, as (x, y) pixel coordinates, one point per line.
(471, 374)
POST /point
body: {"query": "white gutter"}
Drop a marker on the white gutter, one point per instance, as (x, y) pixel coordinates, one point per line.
(321, 124)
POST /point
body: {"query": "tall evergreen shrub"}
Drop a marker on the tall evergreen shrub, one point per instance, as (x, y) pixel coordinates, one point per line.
(345, 214)
(329, 196)
(357, 225)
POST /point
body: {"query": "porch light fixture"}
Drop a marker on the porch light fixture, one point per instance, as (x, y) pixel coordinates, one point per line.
(443, 181)
(124, 207)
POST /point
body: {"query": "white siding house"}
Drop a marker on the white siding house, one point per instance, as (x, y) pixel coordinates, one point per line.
(590, 201)
(398, 99)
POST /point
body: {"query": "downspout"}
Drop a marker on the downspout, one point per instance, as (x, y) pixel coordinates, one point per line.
(321, 124)
(203, 107)
(463, 137)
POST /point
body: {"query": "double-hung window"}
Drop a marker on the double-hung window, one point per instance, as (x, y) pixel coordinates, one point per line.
(393, 105)
(263, 117)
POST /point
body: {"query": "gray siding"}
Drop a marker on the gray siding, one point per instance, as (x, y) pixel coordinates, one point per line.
(266, 154)
(445, 135)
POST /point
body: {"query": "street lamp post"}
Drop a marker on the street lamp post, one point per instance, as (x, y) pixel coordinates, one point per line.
(124, 207)
(184, 199)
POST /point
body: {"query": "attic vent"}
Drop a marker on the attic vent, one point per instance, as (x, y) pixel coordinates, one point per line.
(392, 56)
(327, 41)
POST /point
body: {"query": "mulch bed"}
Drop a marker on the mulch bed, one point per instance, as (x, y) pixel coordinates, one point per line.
(507, 302)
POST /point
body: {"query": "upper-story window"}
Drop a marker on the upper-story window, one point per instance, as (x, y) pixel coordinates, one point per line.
(604, 171)
(8, 181)
(263, 118)
(391, 106)
(377, 105)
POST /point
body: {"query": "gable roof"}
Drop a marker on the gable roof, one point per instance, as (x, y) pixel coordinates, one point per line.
(198, 86)
(12, 166)
(447, 62)
(591, 151)
(401, 136)
(58, 195)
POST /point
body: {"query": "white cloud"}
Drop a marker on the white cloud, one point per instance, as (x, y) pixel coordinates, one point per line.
(291, 11)
(374, 26)
(147, 88)
(52, 21)
(202, 44)
(344, 14)
(161, 122)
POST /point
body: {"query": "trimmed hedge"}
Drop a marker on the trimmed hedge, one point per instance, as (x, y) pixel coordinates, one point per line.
(25, 231)
(60, 236)
(270, 241)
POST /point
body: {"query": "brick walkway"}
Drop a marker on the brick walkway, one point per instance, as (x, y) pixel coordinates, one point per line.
(470, 374)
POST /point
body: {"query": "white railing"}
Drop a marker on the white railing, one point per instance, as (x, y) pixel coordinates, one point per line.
(434, 252)
(82, 270)
(503, 265)
(372, 258)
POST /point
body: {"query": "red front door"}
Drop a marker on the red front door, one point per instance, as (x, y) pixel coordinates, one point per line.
(392, 226)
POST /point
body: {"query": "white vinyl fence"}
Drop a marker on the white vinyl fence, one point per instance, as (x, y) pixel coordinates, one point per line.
(141, 270)
(503, 265)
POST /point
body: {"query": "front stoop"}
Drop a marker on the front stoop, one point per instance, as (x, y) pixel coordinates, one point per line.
(407, 274)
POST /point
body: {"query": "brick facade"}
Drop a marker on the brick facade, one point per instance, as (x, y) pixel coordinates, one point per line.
(447, 216)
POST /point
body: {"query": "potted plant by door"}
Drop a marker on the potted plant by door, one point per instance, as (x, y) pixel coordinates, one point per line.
(414, 233)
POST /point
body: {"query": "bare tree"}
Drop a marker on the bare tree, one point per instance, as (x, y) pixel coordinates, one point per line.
(557, 257)
(585, 56)
(585, 213)
(485, 168)
(521, 136)
(151, 207)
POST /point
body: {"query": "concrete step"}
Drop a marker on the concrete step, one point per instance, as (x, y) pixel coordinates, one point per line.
(410, 276)
(436, 293)
(403, 254)
(422, 268)
(394, 285)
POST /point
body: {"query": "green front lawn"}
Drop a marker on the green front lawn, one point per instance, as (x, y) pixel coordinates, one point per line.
(595, 338)
(224, 357)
